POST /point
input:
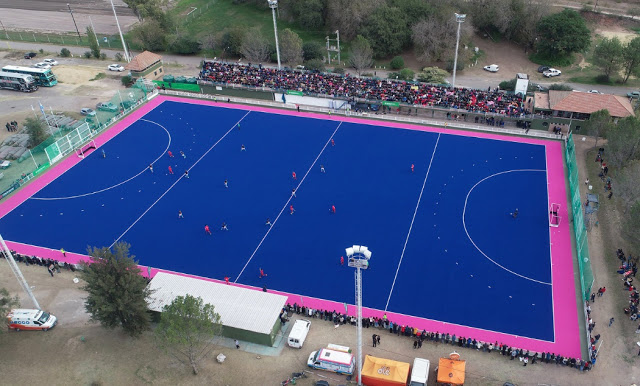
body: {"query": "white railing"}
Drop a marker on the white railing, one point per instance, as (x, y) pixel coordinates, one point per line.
(387, 117)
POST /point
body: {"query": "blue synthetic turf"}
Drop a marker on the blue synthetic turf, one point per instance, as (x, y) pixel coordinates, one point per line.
(368, 178)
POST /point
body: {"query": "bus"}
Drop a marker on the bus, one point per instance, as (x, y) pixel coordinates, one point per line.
(19, 82)
(44, 77)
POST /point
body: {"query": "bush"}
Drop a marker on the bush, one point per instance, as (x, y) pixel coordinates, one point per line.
(508, 85)
(603, 79)
(87, 54)
(126, 80)
(41, 51)
(407, 74)
(397, 63)
(65, 53)
(551, 60)
(433, 75)
(118, 56)
(315, 64)
(338, 70)
(184, 45)
(312, 50)
(460, 65)
(560, 87)
(103, 56)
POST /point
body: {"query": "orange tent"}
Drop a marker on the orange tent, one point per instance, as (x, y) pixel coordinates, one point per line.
(384, 372)
(451, 370)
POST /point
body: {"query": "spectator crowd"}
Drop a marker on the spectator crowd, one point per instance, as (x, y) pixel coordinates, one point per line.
(52, 266)
(419, 337)
(348, 87)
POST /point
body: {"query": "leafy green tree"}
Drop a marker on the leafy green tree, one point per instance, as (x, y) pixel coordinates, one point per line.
(6, 304)
(608, 56)
(433, 75)
(290, 47)
(386, 29)
(116, 291)
(93, 43)
(186, 330)
(623, 142)
(397, 63)
(631, 227)
(599, 124)
(315, 64)
(415, 9)
(254, 47)
(627, 186)
(312, 50)
(183, 44)
(149, 35)
(631, 58)
(360, 54)
(233, 38)
(310, 14)
(36, 131)
(563, 33)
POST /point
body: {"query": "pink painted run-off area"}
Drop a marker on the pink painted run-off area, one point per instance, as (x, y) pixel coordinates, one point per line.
(566, 331)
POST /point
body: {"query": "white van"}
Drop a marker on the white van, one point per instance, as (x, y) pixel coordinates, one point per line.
(25, 319)
(336, 361)
(420, 372)
(298, 333)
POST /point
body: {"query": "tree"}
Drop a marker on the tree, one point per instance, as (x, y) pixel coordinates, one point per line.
(433, 75)
(254, 47)
(623, 142)
(386, 29)
(631, 58)
(563, 33)
(360, 54)
(627, 186)
(397, 63)
(315, 65)
(211, 42)
(142, 8)
(310, 14)
(116, 291)
(233, 38)
(631, 227)
(93, 43)
(608, 56)
(6, 304)
(35, 130)
(599, 124)
(312, 50)
(290, 47)
(186, 329)
(183, 44)
(348, 15)
(434, 38)
(149, 35)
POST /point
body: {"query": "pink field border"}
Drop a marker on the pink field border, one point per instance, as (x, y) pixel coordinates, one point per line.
(566, 331)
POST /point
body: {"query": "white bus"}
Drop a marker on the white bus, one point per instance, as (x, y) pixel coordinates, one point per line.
(44, 77)
(18, 82)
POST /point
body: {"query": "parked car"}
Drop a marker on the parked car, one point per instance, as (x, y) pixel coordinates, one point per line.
(51, 62)
(42, 65)
(30, 55)
(540, 87)
(87, 111)
(115, 67)
(492, 68)
(634, 95)
(542, 69)
(107, 106)
(594, 92)
(552, 72)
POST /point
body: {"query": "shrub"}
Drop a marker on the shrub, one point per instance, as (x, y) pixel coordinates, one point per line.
(184, 45)
(339, 70)
(433, 75)
(87, 54)
(126, 80)
(603, 79)
(65, 53)
(560, 87)
(312, 50)
(118, 56)
(407, 74)
(315, 64)
(508, 85)
(41, 51)
(397, 63)
(103, 56)
(460, 65)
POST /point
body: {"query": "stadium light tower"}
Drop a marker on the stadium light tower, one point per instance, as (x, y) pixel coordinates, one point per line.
(459, 19)
(124, 45)
(358, 257)
(273, 4)
(16, 271)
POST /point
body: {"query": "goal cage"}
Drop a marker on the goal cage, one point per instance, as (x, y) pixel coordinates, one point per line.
(82, 151)
(554, 219)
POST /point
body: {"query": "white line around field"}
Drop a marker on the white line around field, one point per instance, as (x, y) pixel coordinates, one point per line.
(284, 207)
(406, 241)
(178, 180)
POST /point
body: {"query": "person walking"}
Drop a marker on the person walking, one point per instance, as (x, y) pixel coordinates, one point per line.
(186, 174)
(611, 321)
(291, 209)
(236, 341)
(183, 155)
(151, 168)
(226, 279)
(180, 214)
(242, 148)
(206, 229)
(333, 209)
(170, 170)
(226, 183)
(224, 226)
(104, 155)
(268, 223)
(413, 168)
(322, 169)
(262, 274)
(515, 213)
(293, 192)
(170, 154)
(293, 175)
(374, 339)
(341, 260)
(378, 339)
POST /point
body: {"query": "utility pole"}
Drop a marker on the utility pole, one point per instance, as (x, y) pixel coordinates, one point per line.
(74, 20)
(5, 30)
(94, 31)
(273, 4)
(459, 19)
(124, 45)
(16, 271)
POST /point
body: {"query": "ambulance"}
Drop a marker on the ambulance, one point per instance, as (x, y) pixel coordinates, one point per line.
(25, 319)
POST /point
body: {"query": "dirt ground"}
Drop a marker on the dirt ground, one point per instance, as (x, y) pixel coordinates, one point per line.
(80, 352)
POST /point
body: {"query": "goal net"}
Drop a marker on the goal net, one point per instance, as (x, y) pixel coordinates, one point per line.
(84, 150)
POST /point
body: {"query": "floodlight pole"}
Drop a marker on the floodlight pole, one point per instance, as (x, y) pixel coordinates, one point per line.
(74, 20)
(358, 258)
(124, 45)
(459, 19)
(16, 271)
(273, 4)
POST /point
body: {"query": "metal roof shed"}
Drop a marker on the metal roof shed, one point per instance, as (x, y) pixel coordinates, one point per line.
(246, 314)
